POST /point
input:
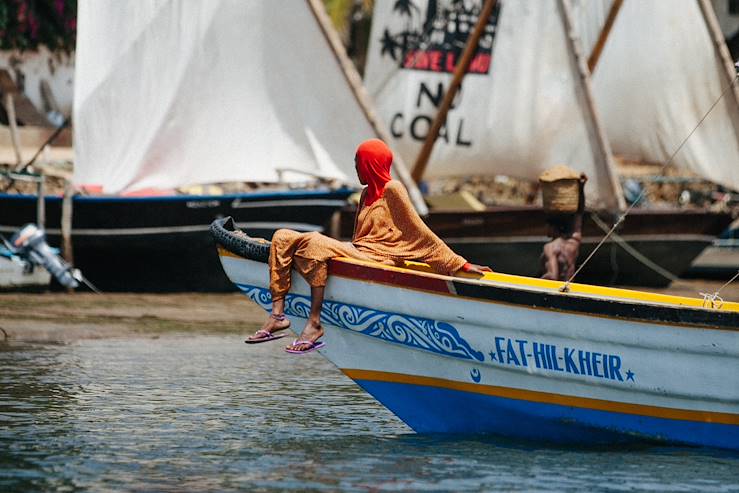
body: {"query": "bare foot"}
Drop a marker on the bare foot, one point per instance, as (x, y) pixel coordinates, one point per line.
(273, 324)
(311, 332)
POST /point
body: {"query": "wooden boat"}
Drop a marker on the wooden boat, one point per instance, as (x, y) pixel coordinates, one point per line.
(534, 104)
(161, 243)
(511, 240)
(515, 356)
(162, 106)
(721, 259)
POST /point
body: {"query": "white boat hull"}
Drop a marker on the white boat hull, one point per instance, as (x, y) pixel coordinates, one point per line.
(443, 362)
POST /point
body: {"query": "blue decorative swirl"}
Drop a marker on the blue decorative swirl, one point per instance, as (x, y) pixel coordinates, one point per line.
(416, 332)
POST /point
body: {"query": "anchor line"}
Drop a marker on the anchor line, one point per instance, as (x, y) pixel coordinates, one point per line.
(713, 299)
(89, 284)
(566, 286)
(727, 283)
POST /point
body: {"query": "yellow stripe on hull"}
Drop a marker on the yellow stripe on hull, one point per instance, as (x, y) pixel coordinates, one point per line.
(424, 270)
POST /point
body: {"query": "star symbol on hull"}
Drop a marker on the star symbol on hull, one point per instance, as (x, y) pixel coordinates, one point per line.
(630, 375)
(493, 356)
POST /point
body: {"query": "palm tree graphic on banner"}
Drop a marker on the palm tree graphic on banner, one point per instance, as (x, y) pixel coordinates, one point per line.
(435, 41)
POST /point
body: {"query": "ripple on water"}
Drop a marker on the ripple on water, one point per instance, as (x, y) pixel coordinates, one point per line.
(208, 413)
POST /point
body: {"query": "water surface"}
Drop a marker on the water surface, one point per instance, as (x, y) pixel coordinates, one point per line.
(208, 413)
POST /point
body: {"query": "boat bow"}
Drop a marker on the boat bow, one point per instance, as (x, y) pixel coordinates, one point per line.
(514, 356)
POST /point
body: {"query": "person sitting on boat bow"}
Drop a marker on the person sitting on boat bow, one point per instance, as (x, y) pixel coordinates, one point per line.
(387, 229)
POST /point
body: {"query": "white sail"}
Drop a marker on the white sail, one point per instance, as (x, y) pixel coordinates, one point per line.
(518, 113)
(172, 93)
(658, 74)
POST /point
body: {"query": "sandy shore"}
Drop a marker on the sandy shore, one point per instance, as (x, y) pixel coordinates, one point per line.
(61, 317)
(67, 317)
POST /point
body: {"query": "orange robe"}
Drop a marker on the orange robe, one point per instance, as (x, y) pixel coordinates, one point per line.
(387, 231)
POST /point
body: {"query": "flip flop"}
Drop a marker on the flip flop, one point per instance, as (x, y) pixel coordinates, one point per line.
(312, 346)
(265, 336)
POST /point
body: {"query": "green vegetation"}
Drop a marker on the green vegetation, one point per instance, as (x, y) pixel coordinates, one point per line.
(352, 19)
(344, 12)
(28, 24)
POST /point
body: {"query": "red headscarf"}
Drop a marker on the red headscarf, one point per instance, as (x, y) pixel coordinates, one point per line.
(373, 160)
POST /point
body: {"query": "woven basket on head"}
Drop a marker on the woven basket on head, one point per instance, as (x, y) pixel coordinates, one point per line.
(560, 189)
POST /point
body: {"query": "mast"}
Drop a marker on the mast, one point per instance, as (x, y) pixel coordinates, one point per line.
(604, 33)
(459, 72)
(722, 52)
(596, 132)
(355, 83)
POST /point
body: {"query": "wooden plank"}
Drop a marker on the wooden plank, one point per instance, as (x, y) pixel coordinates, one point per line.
(9, 103)
(595, 128)
(33, 137)
(719, 44)
(41, 203)
(25, 111)
(604, 33)
(66, 225)
(7, 85)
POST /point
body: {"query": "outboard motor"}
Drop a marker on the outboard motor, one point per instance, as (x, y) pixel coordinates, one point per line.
(30, 243)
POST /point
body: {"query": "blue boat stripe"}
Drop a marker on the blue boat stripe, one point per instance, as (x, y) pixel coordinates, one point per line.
(440, 410)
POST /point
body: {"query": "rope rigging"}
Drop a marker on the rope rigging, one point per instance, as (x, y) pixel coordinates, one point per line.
(565, 288)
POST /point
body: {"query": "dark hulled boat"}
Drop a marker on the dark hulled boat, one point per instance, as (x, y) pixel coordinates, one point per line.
(511, 240)
(162, 243)
(170, 106)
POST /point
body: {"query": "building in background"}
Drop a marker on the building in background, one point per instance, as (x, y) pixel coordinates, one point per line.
(37, 55)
